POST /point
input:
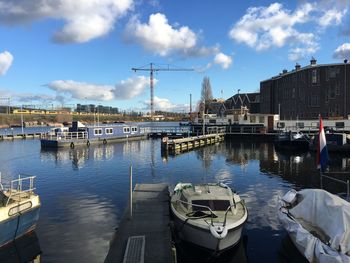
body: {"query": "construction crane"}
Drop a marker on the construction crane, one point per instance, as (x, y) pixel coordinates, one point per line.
(152, 68)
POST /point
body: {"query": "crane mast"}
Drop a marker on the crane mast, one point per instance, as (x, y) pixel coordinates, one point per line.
(152, 69)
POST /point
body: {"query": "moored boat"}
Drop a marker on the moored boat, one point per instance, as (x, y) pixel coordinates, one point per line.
(296, 141)
(19, 209)
(209, 215)
(80, 134)
(318, 223)
(336, 142)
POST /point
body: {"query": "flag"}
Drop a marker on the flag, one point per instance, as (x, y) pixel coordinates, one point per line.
(322, 153)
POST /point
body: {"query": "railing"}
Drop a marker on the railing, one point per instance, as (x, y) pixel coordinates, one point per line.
(246, 129)
(65, 136)
(20, 186)
(347, 183)
(166, 129)
(212, 215)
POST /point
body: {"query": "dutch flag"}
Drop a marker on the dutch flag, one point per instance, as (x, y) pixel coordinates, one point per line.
(322, 153)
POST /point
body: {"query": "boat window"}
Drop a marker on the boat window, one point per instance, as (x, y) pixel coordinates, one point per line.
(134, 129)
(109, 130)
(300, 125)
(339, 124)
(215, 205)
(97, 131)
(126, 129)
(20, 208)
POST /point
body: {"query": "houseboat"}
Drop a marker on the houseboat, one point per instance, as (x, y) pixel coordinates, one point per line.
(80, 134)
(19, 209)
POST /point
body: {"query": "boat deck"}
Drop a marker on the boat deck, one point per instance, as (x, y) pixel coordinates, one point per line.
(150, 218)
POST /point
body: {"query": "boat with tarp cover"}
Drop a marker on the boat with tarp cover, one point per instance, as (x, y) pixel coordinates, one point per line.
(318, 223)
(209, 215)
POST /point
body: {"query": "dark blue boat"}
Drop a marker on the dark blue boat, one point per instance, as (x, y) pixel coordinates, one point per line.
(19, 209)
(292, 141)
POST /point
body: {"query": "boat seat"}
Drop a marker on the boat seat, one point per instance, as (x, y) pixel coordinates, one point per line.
(135, 250)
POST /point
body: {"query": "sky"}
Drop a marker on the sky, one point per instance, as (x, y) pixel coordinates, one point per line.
(63, 52)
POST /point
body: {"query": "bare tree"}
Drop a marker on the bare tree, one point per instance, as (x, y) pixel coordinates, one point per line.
(206, 94)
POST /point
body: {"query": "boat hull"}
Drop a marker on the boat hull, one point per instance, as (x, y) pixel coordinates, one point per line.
(203, 238)
(18, 225)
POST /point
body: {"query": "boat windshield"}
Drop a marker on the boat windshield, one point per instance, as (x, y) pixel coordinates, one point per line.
(214, 205)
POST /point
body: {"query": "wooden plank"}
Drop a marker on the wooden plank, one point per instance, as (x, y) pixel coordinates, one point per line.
(151, 219)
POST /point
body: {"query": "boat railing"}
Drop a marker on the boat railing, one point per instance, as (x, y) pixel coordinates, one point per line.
(211, 211)
(20, 187)
(66, 136)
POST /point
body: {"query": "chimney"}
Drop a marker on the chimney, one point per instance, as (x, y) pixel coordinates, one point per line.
(284, 71)
(313, 61)
(297, 66)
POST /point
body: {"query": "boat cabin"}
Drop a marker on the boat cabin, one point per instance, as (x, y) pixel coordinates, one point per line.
(206, 198)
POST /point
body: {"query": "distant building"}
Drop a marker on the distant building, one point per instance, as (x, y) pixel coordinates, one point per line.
(306, 92)
(91, 108)
(241, 100)
(217, 106)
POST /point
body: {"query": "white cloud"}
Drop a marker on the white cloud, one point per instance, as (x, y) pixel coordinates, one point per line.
(166, 105)
(263, 28)
(159, 36)
(131, 87)
(342, 51)
(82, 90)
(331, 17)
(126, 89)
(6, 60)
(223, 60)
(84, 19)
(331, 12)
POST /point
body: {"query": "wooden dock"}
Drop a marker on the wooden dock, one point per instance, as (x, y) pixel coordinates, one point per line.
(149, 226)
(185, 144)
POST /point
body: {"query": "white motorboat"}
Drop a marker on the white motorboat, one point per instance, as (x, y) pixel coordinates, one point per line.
(318, 223)
(209, 215)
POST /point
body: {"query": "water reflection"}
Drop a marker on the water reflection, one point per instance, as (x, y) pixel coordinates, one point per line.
(85, 190)
(188, 253)
(23, 250)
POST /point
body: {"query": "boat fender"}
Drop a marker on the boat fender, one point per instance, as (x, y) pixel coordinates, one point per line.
(218, 232)
(104, 141)
(71, 145)
(88, 143)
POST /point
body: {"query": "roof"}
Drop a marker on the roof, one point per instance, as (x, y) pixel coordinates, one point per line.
(303, 68)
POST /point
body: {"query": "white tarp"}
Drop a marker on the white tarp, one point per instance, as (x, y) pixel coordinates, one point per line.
(327, 212)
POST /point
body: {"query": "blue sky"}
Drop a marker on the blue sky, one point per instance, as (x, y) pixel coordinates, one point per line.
(63, 52)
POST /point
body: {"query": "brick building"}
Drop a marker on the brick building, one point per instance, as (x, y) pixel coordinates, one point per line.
(306, 92)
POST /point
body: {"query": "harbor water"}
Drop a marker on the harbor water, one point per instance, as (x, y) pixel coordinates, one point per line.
(85, 190)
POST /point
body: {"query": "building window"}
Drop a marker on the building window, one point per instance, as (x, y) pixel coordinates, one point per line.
(331, 93)
(97, 132)
(314, 101)
(314, 76)
(337, 88)
(126, 129)
(109, 130)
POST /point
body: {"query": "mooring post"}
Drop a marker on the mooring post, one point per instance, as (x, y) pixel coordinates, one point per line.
(130, 175)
